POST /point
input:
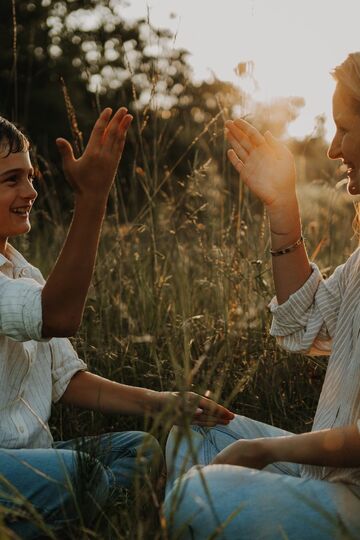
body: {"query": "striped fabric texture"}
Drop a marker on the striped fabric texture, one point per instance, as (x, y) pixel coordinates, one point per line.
(323, 318)
(33, 371)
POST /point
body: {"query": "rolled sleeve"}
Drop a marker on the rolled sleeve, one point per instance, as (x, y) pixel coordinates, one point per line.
(293, 314)
(299, 324)
(65, 363)
(20, 309)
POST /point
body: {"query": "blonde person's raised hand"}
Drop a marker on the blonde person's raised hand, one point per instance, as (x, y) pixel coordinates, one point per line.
(92, 174)
(199, 410)
(265, 165)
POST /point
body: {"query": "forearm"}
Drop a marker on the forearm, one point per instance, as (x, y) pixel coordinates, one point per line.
(290, 271)
(87, 390)
(338, 447)
(96, 393)
(64, 294)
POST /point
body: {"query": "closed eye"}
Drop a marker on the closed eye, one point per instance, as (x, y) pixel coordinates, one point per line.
(11, 179)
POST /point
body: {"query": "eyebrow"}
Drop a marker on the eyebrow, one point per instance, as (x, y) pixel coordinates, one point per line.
(17, 170)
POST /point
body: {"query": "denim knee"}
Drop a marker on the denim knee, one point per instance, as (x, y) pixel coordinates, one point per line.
(72, 490)
(147, 451)
(184, 502)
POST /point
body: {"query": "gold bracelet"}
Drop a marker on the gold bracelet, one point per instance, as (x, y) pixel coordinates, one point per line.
(289, 249)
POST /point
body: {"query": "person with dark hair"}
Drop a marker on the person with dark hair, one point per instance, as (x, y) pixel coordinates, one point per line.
(257, 481)
(12, 140)
(45, 484)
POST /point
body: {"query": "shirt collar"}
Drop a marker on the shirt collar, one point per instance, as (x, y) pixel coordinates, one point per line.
(15, 258)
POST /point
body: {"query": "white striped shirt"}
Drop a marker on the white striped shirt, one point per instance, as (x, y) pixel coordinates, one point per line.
(33, 371)
(323, 317)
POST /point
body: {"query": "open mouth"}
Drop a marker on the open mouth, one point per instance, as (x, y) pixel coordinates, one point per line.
(23, 211)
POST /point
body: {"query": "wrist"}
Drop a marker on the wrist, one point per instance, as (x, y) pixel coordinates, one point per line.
(90, 204)
(283, 212)
(152, 401)
(284, 221)
(276, 449)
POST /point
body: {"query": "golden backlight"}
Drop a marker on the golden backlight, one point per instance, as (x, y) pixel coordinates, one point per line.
(293, 44)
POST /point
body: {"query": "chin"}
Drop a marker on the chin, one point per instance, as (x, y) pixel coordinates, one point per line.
(353, 186)
(19, 231)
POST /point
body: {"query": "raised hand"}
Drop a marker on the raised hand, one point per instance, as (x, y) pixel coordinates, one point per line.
(92, 174)
(201, 410)
(266, 166)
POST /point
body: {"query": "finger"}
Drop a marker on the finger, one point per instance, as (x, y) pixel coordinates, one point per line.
(240, 136)
(66, 151)
(99, 128)
(212, 418)
(111, 133)
(207, 423)
(235, 161)
(273, 143)
(119, 142)
(239, 149)
(214, 408)
(253, 134)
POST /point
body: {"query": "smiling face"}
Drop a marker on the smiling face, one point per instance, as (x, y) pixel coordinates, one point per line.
(346, 142)
(17, 195)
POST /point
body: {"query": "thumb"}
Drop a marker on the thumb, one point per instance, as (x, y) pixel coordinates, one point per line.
(65, 150)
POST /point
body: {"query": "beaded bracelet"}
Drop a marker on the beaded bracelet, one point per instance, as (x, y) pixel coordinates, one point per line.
(289, 249)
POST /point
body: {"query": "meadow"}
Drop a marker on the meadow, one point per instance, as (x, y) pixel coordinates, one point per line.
(179, 302)
(179, 299)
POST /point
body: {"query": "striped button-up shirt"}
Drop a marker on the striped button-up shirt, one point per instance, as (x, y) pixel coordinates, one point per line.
(323, 317)
(33, 371)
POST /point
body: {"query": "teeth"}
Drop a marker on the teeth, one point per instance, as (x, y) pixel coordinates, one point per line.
(23, 210)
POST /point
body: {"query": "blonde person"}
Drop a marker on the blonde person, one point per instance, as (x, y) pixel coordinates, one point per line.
(41, 479)
(258, 481)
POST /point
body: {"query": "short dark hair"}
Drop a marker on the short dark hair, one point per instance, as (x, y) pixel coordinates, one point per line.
(12, 140)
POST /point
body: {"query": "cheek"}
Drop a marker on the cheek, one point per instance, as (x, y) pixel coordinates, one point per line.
(351, 146)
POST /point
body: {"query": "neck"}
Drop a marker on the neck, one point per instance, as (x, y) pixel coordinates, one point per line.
(3, 246)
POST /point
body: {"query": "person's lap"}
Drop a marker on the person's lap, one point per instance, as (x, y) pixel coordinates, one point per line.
(199, 446)
(266, 504)
(52, 486)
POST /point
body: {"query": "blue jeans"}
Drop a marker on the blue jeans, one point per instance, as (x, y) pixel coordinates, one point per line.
(237, 503)
(70, 483)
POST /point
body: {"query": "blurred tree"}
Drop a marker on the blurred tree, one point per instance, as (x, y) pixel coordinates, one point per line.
(107, 61)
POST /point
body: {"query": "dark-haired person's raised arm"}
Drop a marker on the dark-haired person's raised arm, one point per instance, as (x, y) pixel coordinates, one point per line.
(91, 177)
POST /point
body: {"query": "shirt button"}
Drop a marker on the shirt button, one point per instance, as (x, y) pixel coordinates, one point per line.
(21, 429)
(24, 272)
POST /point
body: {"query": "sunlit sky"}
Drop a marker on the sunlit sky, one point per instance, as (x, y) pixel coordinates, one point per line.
(293, 43)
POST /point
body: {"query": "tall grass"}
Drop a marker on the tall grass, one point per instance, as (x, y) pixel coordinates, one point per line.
(179, 302)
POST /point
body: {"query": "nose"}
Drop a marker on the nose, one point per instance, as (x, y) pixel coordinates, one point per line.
(334, 150)
(29, 192)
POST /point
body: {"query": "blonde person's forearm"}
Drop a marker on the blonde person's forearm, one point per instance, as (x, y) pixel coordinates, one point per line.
(290, 271)
(338, 447)
(65, 291)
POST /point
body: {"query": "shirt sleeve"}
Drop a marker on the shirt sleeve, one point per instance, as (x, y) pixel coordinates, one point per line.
(20, 308)
(65, 363)
(306, 322)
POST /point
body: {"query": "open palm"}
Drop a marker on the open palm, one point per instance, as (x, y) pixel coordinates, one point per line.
(265, 165)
